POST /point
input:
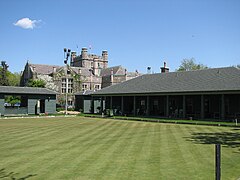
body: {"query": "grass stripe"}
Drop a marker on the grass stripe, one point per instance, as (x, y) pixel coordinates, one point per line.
(99, 162)
(85, 148)
(47, 149)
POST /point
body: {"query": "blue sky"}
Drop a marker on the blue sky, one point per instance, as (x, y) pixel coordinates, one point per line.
(136, 33)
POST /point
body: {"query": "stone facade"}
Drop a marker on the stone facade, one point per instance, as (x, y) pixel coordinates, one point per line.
(85, 72)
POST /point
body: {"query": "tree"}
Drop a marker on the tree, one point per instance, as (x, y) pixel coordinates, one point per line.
(3, 74)
(13, 78)
(61, 100)
(9, 79)
(36, 83)
(190, 65)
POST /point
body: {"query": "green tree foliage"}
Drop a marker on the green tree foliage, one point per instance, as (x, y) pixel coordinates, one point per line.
(61, 100)
(12, 79)
(3, 77)
(190, 65)
(12, 100)
(36, 83)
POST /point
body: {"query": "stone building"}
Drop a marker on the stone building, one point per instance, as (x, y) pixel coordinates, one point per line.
(85, 72)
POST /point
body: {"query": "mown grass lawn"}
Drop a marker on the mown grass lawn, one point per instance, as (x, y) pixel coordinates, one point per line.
(85, 148)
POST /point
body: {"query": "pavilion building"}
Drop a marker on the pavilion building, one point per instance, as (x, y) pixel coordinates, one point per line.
(201, 94)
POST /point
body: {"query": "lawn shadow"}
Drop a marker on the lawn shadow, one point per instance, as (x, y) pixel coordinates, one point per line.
(227, 139)
(13, 176)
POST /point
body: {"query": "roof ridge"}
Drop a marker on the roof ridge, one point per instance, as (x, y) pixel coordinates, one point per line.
(208, 69)
(114, 67)
(26, 87)
(45, 65)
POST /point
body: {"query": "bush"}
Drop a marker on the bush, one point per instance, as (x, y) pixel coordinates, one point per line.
(70, 109)
(60, 109)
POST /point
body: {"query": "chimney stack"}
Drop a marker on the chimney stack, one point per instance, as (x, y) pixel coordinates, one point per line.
(54, 70)
(164, 69)
(73, 56)
(111, 76)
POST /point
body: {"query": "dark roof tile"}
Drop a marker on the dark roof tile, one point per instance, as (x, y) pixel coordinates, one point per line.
(117, 70)
(217, 79)
(25, 90)
(43, 69)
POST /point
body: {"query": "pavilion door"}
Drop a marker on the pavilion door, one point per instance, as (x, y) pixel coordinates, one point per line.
(42, 106)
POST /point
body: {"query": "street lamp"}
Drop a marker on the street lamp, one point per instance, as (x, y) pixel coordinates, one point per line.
(66, 56)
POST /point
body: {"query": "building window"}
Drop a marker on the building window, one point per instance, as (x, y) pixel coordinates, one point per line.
(64, 85)
(84, 87)
(67, 85)
(63, 90)
(70, 85)
(97, 87)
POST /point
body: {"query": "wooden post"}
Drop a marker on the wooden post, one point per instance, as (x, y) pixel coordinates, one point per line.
(222, 107)
(148, 108)
(184, 106)
(134, 105)
(111, 104)
(218, 161)
(202, 107)
(101, 110)
(122, 104)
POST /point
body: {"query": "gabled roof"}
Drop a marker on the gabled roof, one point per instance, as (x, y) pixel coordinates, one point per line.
(117, 70)
(25, 90)
(84, 71)
(133, 74)
(43, 69)
(48, 69)
(209, 80)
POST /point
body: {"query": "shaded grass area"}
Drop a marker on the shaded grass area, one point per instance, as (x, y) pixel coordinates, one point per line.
(12, 175)
(171, 121)
(92, 148)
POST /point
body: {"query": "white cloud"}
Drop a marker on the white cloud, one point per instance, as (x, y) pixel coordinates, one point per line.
(27, 23)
